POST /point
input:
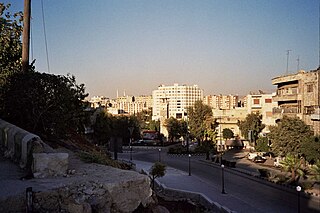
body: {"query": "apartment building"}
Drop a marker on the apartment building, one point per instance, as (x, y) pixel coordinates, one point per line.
(228, 119)
(298, 95)
(173, 101)
(131, 104)
(264, 105)
(98, 101)
(221, 101)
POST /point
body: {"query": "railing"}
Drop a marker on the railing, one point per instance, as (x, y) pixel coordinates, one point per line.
(289, 110)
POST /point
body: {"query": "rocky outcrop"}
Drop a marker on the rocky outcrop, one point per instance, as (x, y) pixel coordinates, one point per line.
(92, 188)
(49, 164)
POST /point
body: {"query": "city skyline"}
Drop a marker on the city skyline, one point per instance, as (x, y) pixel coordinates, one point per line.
(225, 47)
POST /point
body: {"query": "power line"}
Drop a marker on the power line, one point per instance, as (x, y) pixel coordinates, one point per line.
(45, 36)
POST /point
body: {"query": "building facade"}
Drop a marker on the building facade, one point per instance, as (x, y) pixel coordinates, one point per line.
(221, 101)
(173, 101)
(132, 105)
(98, 101)
(263, 104)
(298, 95)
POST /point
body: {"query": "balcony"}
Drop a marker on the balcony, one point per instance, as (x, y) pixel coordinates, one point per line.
(286, 97)
(278, 113)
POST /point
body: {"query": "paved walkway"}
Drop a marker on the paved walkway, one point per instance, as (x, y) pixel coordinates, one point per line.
(177, 179)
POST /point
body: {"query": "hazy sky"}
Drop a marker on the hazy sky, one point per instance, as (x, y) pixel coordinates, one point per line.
(224, 46)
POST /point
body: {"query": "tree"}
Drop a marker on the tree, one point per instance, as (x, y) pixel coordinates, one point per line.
(154, 125)
(227, 133)
(157, 170)
(262, 145)
(200, 117)
(288, 136)
(46, 104)
(144, 118)
(10, 47)
(252, 122)
(103, 127)
(315, 171)
(293, 164)
(174, 128)
(310, 149)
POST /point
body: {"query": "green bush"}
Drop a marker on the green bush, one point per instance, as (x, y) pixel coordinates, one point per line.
(179, 149)
(201, 149)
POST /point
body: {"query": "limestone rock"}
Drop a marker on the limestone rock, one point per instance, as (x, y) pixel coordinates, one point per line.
(49, 164)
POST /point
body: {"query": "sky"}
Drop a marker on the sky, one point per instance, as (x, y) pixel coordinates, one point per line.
(133, 46)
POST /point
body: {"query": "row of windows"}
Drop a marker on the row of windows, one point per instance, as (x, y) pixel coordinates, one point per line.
(267, 101)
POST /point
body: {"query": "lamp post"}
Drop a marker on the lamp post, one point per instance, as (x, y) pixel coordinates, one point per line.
(130, 153)
(222, 177)
(189, 164)
(130, 128)
(298, 188)
(159, 155)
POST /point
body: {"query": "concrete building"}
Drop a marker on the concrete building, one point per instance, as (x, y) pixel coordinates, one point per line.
(228, 119)
(264, 105)
(131, 104)
(298, 95)
(173, 101)
(221, 101)
(98, 101)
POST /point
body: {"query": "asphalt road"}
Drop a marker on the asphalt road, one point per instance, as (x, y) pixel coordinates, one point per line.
(265, 197)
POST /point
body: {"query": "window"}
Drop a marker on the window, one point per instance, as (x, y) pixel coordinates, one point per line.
(310, 88)
(256, 101)
(268, 100)
(178, 115)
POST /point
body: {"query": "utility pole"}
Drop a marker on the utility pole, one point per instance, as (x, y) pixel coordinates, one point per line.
(26, 35)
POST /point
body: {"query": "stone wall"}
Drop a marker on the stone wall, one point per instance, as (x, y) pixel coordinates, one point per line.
(31, 152)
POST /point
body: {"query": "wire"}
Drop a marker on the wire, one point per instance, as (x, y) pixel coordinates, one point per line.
(45, 36)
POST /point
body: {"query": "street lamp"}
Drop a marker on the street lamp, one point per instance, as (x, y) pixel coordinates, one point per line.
(159, 155)
(189, 165)
(298, 188)
(130, 152)
(222, 172)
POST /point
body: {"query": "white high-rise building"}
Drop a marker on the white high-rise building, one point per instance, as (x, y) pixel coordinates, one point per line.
(173, 101)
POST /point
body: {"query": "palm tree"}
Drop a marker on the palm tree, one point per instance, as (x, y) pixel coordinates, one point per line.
(293, 164)
(315, 171)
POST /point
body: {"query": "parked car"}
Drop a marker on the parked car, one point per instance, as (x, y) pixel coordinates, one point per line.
(251, 156)
(277, 161)
(138, 143)
(259, 159)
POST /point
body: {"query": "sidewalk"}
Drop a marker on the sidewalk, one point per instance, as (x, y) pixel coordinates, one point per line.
(177, 180)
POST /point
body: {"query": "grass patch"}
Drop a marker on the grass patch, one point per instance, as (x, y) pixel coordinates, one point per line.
(101, 158)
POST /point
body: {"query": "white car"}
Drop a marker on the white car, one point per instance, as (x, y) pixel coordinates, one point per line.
(251, 156)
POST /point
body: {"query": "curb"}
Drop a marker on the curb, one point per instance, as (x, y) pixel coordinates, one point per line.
(200, 198)
(194, 196)
(186, 155)
(258, 177)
